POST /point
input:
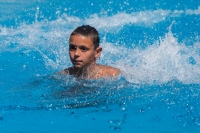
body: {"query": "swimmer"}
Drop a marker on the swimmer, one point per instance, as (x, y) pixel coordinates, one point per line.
(84, 50)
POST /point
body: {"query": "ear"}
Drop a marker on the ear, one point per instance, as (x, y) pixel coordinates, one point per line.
(98, 52)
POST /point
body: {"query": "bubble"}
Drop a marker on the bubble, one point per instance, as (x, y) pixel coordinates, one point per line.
(123, 108)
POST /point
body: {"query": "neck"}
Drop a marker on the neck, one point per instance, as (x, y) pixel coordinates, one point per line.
(86, 72)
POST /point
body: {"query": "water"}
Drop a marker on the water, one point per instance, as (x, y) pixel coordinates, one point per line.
(155, 43)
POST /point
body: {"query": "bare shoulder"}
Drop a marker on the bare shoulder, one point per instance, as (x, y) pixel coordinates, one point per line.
(110, 71)
(63, 72)
(67, 71)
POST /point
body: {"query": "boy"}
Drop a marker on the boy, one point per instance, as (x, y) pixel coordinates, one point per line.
(84, 50)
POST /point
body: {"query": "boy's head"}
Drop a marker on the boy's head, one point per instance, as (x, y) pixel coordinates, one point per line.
(88, 31)
(84, 46)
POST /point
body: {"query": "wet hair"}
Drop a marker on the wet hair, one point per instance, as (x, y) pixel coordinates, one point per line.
(88, 31)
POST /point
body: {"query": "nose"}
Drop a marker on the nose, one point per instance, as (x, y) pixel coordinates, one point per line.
(77, 53)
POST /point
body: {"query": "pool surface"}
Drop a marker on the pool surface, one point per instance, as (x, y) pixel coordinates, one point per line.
(156, 44)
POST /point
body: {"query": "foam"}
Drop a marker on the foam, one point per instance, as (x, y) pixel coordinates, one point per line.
(138, 18)
(193, 12)
(163, 61)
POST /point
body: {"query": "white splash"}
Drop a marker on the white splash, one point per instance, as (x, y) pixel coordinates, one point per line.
(195, 12)
(161, 62)
(120, 19)
(164, 60)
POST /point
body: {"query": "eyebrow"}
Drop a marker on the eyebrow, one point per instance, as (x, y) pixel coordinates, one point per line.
(80, 45)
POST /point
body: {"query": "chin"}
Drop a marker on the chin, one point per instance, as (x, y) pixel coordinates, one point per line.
(78, 66)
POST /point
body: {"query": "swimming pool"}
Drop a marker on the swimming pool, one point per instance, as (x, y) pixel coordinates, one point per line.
(155, 44)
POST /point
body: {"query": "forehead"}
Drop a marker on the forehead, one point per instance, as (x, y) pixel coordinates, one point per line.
(80, 40)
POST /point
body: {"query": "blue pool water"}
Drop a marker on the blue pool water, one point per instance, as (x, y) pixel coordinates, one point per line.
(155, 43)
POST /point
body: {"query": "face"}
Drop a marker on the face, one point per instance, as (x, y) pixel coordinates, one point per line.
(82, 52)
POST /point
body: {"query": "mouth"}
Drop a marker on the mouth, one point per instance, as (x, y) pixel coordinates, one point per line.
(76, 61)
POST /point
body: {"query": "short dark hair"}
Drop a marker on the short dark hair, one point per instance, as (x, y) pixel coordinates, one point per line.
(88, 31)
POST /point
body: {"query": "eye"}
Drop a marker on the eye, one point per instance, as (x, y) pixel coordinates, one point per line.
(72, 47)
(84, 49)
